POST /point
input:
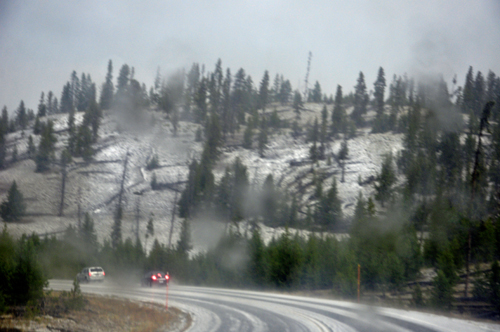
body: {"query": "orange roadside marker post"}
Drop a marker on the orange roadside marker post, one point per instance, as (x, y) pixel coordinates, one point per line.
(167, 278)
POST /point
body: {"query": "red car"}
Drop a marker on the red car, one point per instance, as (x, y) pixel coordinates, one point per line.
(155, 278)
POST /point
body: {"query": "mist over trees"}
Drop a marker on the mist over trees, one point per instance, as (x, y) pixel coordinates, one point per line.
(444, 183)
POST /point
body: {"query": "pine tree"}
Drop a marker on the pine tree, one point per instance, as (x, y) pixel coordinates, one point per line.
(193, 81)
(215, 88)
(42, 108)
(379, 87)
(189, 197)
(50, 103)
(338, 114)
(269, 200)
(14, 207)
(264, 91)
(251, 95)
(329, 211)
(468, 93)
(88, 234)
(479, 93)
(75, 89)
(123, 79)
(171, 96)
(360, 212)
(55, 107)
(21, 116)
(86, 94)
(322, 133)
(30, 114)
(37, 127)
(66, 102)
(385, 180)
(275, 91)
(257, 267)
(116, 230)
(360, 100)
(31, 147)
(285, 92)
(4, 121)
(107, 91)
(228, 119)
(247, 137)
(494, 283)
(313, 136)
(239, 97)
(451, 158)
(262, 138)
(184, 244)
(150, 228)
(83, 143)
(46, 148)
(92, 118)
(200, 101)
(285, 259)
(316, 96)
(297, 103)
(442, 293)
(232, 191)
(213, 140)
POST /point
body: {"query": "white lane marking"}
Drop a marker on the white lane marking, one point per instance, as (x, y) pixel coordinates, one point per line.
(257, 324)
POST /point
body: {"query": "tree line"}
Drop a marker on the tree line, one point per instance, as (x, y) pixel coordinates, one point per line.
(450, 187)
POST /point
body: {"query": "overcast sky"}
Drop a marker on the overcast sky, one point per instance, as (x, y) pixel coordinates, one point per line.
(42, 42)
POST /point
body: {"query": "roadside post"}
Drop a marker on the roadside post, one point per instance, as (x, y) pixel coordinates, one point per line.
(167, 279)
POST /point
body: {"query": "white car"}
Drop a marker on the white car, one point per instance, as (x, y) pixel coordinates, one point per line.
(88, 274)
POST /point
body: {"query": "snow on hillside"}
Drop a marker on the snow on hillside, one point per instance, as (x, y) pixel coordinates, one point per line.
(95, 186)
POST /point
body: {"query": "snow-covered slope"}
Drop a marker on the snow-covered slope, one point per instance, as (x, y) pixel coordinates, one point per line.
(94, 186)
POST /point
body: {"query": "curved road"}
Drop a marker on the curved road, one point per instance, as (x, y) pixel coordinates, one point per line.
(215, 309)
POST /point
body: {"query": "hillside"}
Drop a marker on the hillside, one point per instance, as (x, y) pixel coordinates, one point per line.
(94, 186)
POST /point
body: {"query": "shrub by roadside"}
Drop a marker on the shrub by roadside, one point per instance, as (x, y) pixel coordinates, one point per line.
(57, 311)
(21, 276)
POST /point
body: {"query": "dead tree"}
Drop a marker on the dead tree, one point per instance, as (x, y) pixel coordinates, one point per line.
(344, 151)
(137, 218)
(476, 173)
(174, 210)
(122, 182)
(79, 207)
(306, 81)
(116, 234)
(63, 190)
(65, 158)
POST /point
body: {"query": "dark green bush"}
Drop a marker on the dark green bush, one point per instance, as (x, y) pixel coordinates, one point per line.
(21, 276)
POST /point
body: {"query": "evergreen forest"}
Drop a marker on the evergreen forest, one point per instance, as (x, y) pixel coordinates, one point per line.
(435, 207)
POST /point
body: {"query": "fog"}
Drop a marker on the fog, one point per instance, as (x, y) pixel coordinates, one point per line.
(41, 43)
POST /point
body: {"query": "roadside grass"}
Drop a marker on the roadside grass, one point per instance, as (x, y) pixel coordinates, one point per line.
(98, 313)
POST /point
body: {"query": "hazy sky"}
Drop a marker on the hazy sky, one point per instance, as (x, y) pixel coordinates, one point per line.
(42, 42)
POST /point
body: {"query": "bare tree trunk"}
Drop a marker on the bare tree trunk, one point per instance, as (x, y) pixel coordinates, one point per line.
(122, 183)
(474, 180)
(116, 232)
(79, 207)
(343, 171)
(137, 218)
(63, 189)
(174, 210)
